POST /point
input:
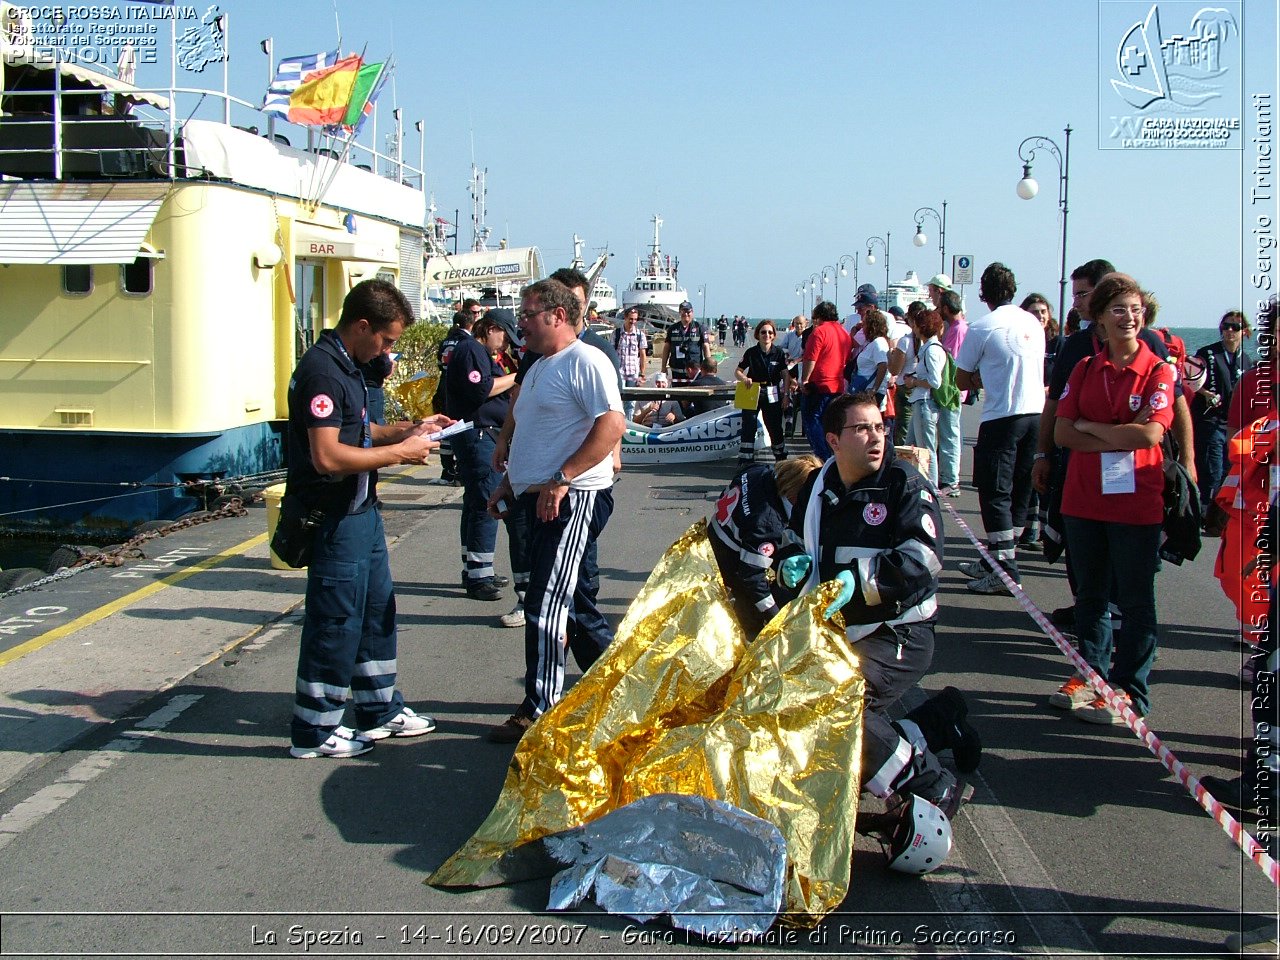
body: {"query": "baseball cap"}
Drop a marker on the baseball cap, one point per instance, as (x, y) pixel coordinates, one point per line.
(660, 380)
(940, 280)
(686, 307)
(898, 312)
(506, 320)
(866, 296)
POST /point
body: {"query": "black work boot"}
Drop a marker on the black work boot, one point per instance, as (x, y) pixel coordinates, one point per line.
(942, 721)
(927, 779)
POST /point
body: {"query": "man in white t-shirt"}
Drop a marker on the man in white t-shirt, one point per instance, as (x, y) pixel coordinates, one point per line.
(568, 418)
(1003, 353)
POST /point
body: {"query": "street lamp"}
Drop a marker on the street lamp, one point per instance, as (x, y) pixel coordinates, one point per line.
(871, 257)
(800, 289)
(703, 290)
(1027, 188)
(842, 272)
(921, 238)
(825, 281)
(813, 287)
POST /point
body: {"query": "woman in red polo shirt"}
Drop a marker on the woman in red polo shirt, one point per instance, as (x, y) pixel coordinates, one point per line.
(1112, 415)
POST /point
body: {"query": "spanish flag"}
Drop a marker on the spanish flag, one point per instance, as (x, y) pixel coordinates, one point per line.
(323, 98)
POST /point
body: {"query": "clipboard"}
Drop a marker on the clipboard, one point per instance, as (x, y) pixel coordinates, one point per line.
(746, 396)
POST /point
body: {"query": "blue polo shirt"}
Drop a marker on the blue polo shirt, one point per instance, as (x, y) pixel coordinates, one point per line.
(327, 390)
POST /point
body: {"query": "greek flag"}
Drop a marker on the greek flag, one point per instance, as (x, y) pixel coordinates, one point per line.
(290, 74)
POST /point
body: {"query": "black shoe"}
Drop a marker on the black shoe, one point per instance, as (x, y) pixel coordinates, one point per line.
(484, 590)
(942, 721)
(512, 729)
(1064, 617)
(1030, 544)
(499, 581)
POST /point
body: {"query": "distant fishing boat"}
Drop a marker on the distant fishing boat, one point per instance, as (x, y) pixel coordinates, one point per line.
(162, 276)
(656, 290)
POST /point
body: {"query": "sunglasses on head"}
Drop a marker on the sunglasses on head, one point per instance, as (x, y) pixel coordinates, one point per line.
(1237, 327)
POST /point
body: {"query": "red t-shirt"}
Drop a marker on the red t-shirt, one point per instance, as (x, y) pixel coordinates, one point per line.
(828, 349)
(1100, 392)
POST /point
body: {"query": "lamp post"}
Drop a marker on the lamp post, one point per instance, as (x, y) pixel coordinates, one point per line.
(703, 291)
(813, 290)
(842, 272)
(921, 238)
(825, 281)
(1028, 188)
(871, 257)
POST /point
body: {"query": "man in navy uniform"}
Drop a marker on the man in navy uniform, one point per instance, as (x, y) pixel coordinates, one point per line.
(873, 523)
(349, 629)
(682, 353)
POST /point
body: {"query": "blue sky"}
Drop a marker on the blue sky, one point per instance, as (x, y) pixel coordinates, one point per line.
(775, 137)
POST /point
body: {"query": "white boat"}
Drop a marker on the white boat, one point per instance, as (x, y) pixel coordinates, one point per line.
(162, 276)
(602, 294)
(902, 293)
(656, 290)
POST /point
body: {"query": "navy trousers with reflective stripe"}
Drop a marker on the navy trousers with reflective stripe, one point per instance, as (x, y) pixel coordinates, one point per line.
(560, 603)
(348, 632)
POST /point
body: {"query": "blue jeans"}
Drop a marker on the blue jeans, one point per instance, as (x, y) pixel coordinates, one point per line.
(1120, 556)
(478, 531)
(924, 432)
(950, 443)
(812, 406)
(348, 631)
(1211, 456)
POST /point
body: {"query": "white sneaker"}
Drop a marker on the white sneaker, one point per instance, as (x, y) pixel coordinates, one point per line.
(404, 724)
(991, 583)
(515, 618)
(973, 569)
(343, 742)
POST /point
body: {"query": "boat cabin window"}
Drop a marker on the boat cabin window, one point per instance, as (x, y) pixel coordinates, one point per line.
(77, 278)
(135, 278)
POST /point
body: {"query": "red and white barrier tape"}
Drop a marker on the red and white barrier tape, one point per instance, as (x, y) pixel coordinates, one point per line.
(1234, 829)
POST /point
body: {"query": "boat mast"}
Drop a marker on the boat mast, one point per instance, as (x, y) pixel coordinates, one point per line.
(479, 231)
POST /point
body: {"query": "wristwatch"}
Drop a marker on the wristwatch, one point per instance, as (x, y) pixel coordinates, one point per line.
(559, 479)
(1041, 455)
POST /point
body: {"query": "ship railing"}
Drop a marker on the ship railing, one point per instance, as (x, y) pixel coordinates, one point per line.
(141, 139)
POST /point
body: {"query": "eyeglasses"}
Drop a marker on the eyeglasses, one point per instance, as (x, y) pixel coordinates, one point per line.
(476, 312)
(1080, 294)
(1237, 327)
(767, 333)
(1136, 310)
(865, 429)
(529, 314)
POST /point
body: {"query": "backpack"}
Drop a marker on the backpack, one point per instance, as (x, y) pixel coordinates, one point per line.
(1177, 348)
(947, 395)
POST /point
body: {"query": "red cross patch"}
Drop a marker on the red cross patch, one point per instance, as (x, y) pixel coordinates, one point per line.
(766, 549)
(474, 376)
(321, 406)
(725, 505)
(875, 513)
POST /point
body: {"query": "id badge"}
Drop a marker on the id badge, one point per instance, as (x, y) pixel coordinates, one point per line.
(1117, 472)
(771, 393)
(679, 352)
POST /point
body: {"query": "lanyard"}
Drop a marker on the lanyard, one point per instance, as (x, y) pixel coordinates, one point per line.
(366, 435)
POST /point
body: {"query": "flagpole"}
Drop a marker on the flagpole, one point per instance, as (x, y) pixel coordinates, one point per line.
(268, 47)
(422, 157)
(399, 145)
(224, 21)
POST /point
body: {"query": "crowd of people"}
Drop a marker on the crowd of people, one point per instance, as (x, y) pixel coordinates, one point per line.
(1089, 422)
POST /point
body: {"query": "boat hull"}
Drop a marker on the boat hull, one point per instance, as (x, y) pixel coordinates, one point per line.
(92, 484)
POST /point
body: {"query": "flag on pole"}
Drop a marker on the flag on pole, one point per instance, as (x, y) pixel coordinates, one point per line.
(290, 74)
(323, 97)
(369, 85)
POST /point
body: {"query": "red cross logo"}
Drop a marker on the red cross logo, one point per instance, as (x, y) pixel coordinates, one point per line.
(321, 406)
(725, 505)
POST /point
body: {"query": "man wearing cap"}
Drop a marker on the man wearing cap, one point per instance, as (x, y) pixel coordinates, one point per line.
(682, 353)
(938, 284)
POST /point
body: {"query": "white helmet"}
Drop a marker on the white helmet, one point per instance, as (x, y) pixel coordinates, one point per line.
(1194, 372)
(922, 840)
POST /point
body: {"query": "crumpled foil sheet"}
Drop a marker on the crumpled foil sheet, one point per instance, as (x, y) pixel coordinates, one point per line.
(680, 704)
(712, 868)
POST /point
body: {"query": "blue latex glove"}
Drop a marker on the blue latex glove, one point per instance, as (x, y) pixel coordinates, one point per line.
(795, 570)
(845, 578)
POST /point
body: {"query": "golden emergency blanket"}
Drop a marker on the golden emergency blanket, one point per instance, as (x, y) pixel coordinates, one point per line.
(680, 704)
(414, 396)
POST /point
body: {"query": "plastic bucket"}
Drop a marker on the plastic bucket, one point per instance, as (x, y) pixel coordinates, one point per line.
(272, 496)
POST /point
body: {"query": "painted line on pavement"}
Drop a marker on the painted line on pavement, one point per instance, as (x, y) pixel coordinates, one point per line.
(115, 606)
(1043, 907)
(40, 804)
